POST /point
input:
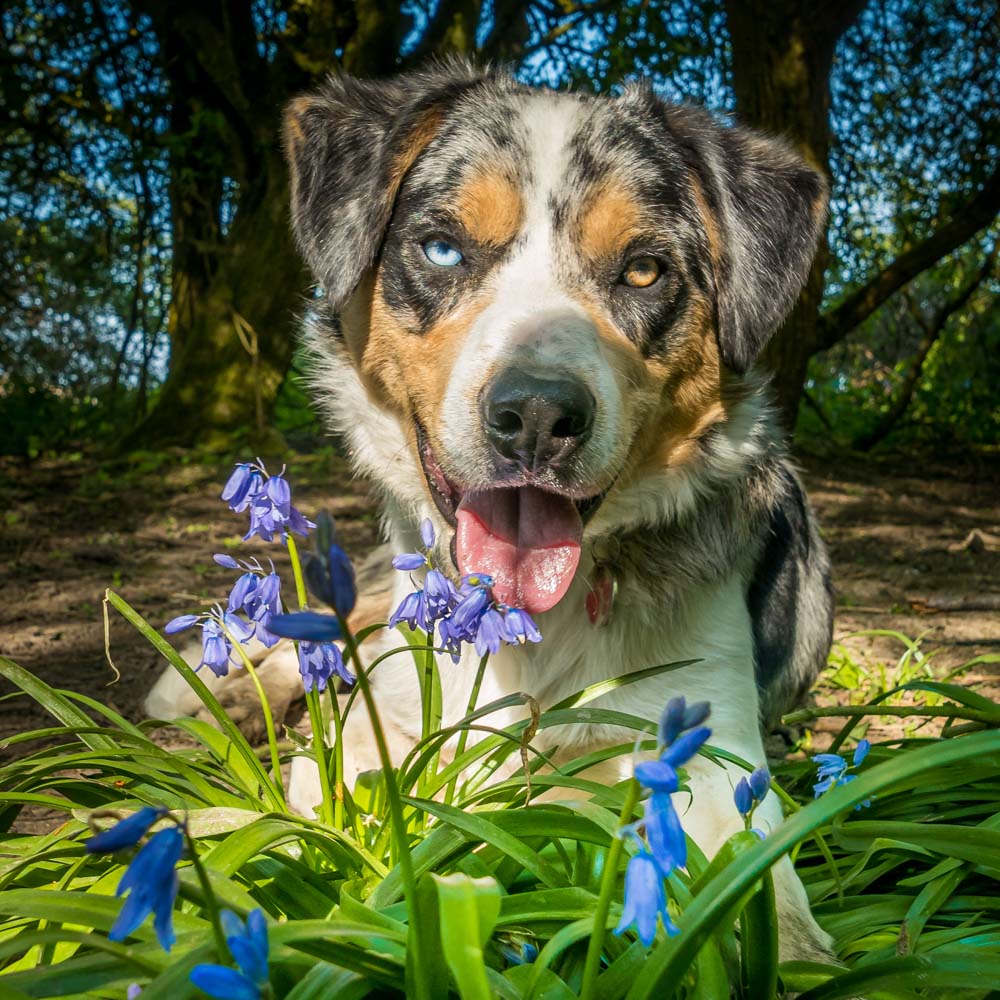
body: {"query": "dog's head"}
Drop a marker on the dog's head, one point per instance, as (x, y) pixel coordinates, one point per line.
(554, 296)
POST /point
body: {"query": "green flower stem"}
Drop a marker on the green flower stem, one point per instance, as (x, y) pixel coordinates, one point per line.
(300, 583)
(421, 987)
(609, 879)
(427, 688)
(463, 736)
(272, 736)
(327, 812)
(210, 901)
(338, 759)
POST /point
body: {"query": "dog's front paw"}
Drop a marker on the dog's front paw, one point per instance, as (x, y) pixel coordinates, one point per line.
(242, 704)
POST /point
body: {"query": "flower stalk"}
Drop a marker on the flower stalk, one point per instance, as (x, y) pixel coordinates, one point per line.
(272, 736)
(421, 988)
(609, 879)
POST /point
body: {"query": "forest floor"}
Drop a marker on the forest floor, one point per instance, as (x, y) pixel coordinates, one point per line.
(898, 530)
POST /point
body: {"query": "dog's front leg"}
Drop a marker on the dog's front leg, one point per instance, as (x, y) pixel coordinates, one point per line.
(711, 818)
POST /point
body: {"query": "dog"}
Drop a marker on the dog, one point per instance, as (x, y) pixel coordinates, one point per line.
(537, 323)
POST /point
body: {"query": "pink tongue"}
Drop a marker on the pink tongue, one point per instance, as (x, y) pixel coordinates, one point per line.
(526, 539)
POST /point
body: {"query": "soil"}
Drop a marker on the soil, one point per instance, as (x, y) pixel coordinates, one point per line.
(898, 531)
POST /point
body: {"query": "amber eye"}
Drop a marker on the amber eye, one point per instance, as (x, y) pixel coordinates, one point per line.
(641, 272)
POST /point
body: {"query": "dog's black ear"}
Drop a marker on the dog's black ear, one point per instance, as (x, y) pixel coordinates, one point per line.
(349, 146)
(769, 208)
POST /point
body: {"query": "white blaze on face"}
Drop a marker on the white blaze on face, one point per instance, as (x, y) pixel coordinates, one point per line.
(532, 322)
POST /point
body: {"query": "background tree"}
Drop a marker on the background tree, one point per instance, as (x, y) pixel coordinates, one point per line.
(143, 186)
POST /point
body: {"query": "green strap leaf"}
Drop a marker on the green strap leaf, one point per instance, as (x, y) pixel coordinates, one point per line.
(467, 911)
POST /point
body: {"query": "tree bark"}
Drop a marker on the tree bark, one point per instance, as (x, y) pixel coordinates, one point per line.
(236, 282)
(782, 56)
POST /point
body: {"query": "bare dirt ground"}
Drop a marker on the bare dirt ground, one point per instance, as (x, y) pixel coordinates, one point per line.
(70, 529)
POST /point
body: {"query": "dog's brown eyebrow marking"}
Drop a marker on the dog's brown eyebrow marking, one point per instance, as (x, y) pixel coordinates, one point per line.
(610, 220)
(490, 207)
(419, 137)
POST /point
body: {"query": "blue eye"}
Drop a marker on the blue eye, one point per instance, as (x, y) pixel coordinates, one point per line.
(442, 253)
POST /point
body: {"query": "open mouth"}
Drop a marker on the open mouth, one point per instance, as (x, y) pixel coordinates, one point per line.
(525, 537)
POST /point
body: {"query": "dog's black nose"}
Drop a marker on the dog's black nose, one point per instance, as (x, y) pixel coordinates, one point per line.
(536, 421)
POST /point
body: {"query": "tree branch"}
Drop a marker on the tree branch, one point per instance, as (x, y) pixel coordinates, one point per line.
(510, 30)
(933, 329)
(965, 222)
(452, 29)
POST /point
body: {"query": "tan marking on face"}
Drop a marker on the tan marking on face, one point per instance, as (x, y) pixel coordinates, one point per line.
(490, 208)
(695, 394)
(610, 220)
(673, 401)
(406, 371)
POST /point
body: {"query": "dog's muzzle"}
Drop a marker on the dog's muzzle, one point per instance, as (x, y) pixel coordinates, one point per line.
(534, 422)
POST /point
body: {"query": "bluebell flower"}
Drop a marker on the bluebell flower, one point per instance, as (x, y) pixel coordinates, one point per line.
(657, 776)
(215, 648)
(242, 485)
(180, 623)
(678, 716)
(471, 582)
(265, 599)
(440, 594)
(408, 562)
(466, 615)
(831, 770)
(427, 533)
(243, 590)
(680, 724)
(133, 992)
(248, 945)
(269, 499)
(126, 833)
(216, 645)
(518, 952)
(223, 983)
(750, 792)
(331, 578)
(248, 942)
(520, 627)
(450, 642)
(664, 833)
(318, 662)
(151, 883)
(685, 746)
(760, 783)
(490, 632)
(645, 899)
(743, 797)
(308, 626)
(237, 627)
(226, 561)
(413, 611)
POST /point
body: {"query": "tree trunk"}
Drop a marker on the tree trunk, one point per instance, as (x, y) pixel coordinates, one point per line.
(232, 328)
(782, 56)
(236, 278)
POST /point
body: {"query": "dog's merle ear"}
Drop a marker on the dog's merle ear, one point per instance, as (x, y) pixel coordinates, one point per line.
(349, 146)
(769, 210)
